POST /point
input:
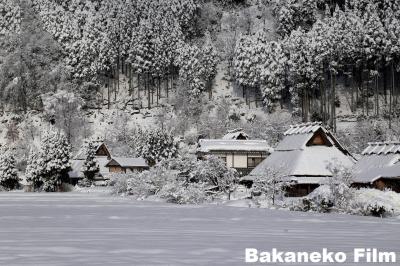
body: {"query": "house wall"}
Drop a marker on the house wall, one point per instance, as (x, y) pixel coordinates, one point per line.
(240, 160)
(116, 169)
(119, 169)
(236, 160)
(138, 169)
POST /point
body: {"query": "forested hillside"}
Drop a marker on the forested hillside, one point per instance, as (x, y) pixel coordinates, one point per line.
(111, 68)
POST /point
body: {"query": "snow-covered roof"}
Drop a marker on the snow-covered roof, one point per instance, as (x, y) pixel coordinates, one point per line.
(382, 148)
(309, 180)
(295, 179)
(295, 157)
(310, 161)
(208, 145)
(127, 162)
(380, 160)
(304, 128)
(297, 137)
(294, 142)
(76, 167)
(236, 134)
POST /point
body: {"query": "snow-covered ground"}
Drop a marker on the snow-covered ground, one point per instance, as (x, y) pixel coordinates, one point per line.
(96, 229)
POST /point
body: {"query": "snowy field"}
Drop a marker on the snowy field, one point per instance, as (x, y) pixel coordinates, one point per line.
(95, 229)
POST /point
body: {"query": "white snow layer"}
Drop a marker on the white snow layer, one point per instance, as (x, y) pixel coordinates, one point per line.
(310, 161)
(93, 229)
(207, 145)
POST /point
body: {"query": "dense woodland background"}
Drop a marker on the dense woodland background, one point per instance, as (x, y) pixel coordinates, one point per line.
(197, 68)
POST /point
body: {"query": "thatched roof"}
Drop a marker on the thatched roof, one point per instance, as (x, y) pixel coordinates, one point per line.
(236, 134)
(379, 160)
(298, 156)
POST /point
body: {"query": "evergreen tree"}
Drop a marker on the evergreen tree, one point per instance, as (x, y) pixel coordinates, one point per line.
(156, 145)
(10, 18)
(90, 167)
(49, 166)
(273, 76)
(8, 171)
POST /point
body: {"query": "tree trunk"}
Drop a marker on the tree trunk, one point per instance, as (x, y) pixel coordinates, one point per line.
(377, 95)
(108, 93)
(333, 96)
(390, 97)
(148, 91)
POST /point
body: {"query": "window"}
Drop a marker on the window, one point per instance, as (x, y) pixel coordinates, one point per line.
(318, 140)
(223, 158)
(252, 162)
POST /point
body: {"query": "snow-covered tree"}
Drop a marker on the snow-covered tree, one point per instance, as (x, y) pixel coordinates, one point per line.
(63, 109)
(274, 73)
(90, 167)
(291, 14)
(374, 34)
(271, 185)
(10, 18)
(8, 172)
(35, 169)
(340, 185)
(49, 165)
(214, 172)
(209, 60)
(156, 145)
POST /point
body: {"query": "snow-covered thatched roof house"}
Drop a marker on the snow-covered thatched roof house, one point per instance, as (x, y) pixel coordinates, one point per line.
(379, 166)
(236, 150)
(304, 156)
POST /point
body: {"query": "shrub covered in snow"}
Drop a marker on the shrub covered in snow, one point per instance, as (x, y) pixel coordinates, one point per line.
(162, 182)
(375, 203)
(320, 200)
(119, 183)
(179, 180)
(335, 195)
(181, 192)
(270, 186)
(213, 171)
(365, 202)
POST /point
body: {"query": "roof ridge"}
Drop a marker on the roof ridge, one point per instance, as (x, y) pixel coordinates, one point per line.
(304, 128)
(384, 147)
(306, 124)
(384, 143)
(233, 140)
(235, 130)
